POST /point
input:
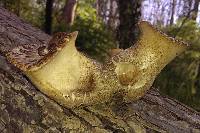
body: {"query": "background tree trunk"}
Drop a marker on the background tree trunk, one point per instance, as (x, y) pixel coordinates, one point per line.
(129, 14)
(195, 10)
(173, 11)
(69, 12)
(23, 108)
(48, 16)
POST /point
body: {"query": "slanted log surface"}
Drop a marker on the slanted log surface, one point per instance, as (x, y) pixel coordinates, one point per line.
(23, 108)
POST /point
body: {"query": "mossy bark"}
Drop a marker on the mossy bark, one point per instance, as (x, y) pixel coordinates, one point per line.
(23, 108)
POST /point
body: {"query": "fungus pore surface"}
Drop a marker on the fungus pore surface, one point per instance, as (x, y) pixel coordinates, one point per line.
(72, 79)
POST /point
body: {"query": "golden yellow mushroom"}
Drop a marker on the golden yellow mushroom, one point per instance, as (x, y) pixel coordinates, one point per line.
(72, 79)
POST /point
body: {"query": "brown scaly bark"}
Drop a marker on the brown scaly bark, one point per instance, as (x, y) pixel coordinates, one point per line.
(23, 108)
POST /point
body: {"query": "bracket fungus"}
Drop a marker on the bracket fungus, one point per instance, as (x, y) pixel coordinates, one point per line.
(72, 79)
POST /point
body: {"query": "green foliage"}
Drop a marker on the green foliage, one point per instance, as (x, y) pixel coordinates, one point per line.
(181, 78)
(31, 11)
(94, 37)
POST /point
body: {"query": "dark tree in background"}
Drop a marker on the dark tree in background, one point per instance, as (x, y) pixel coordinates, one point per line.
(195, 10)
(69, 12)
(48, 16)
(129, 14)
(173, 11)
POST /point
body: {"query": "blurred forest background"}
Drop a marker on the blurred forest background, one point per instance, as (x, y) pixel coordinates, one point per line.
(108, 24)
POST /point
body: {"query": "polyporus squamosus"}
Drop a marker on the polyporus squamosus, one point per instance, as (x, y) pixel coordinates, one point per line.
(72, 79)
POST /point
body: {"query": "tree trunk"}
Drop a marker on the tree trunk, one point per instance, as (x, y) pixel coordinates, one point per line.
(69, 12)
(99, 7)
(48, 16)
(111, 12)
(129, 14)
(23, 108)
(195, 10)
(173, 11)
